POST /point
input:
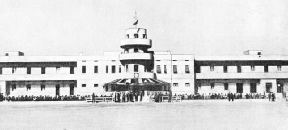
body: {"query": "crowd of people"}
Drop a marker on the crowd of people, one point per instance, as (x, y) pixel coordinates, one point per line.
(223, 96)
(135, 97)
(42, 98)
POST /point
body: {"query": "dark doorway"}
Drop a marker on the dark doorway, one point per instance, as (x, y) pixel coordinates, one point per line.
(239, 87)
(268, 87)
(71, 89)
(253, 88)
(279, 87)
(57, 90)
(7, 88)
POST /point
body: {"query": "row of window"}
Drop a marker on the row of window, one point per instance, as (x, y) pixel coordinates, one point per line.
(176, 84)
(253, 87)
(239, 69)
(84, 85)
(137, 35)
(113, 69)
(42, 86)
(158, 69)
(28, 86)
(43, 70)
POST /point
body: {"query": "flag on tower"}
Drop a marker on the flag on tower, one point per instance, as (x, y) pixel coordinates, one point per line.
(135, 22)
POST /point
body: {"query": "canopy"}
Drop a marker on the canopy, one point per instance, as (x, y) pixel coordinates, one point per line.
(136, 85)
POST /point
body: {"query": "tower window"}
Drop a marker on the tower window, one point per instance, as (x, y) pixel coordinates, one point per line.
(113, 69)
(96, 69)
(165, 69)
(127, 35)
(144, 36)
(175, 69)
(135, 35)
(135, 68)
(187, 69)
(119, 68)
(95, 85)
(83, 85)
(158, 69)
(127, 68)
(107, 68)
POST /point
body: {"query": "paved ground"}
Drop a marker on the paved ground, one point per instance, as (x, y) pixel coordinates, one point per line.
(196, 114)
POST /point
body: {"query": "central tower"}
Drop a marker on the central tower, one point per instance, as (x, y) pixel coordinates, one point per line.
(136, 58)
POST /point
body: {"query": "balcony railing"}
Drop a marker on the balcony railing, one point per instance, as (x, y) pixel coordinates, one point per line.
(241, 75)
(135, 42)
(136, 56)
(38, 77)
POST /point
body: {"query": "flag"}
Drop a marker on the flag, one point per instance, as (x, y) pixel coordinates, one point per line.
(135, 23)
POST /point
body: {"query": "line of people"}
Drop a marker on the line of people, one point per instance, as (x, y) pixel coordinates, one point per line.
(43, 98)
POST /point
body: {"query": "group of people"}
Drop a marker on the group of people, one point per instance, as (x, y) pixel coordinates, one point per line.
(43, 98)
(222, 96)
(127, 96)
(271, 96)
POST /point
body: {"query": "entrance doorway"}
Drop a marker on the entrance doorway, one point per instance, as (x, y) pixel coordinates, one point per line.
(7, 88)
(268, 87)
(239, 88)
(71, 89)
(57, 90)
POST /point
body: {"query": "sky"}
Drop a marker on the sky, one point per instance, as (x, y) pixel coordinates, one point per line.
(200, 27)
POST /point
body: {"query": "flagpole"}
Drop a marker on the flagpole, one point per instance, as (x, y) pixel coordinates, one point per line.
(136, 20)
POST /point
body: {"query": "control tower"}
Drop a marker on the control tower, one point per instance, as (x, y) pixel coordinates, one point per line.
(136, 58)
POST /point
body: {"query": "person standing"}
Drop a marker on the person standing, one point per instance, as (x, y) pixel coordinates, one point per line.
(229, 96)
(93, 98)
(273, 97)
(269, 96)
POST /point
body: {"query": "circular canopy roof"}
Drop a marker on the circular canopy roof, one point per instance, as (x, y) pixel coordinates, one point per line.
(137, 84)
(137, 81)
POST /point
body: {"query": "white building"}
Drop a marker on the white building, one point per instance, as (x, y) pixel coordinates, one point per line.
(188, 74)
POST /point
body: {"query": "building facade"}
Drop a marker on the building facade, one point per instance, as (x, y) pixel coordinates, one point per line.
(251, 72)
